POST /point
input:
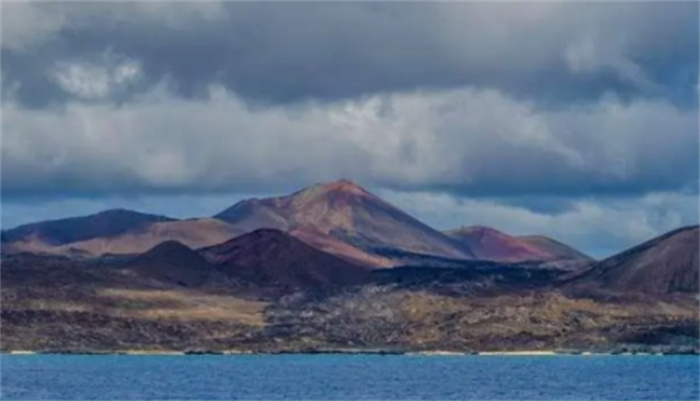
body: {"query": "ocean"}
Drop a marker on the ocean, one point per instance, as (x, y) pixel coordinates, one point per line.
(348, 377)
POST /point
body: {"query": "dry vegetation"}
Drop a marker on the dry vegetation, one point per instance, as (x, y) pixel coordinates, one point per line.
(379, 317)
(56, 305)
(183, 305)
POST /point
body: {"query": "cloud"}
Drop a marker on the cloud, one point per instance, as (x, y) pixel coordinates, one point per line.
(591, 56)
(284, 52)
(467, 141)
(95, 79)
(28, 25)
(24, 24)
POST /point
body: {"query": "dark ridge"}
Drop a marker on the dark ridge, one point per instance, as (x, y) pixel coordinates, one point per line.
(479, 277)
(664, 265)
(272, 258)
(173, 263)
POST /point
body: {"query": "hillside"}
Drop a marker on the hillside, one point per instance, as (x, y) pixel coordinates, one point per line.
(108, 223)
(343, 250)
(555, 249)
(59, 304)
(490, 244)
(664, 265)
(120, 233)
(273, 259)
(174, 263)
(347, 212)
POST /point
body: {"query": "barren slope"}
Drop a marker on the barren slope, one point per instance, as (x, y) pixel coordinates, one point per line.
(116, 235)
(490, 244)
(271, 258)
(663, 265)
(348, 213)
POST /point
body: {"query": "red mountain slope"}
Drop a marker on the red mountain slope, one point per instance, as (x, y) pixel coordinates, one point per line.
(348, 213)
(490, 244)
(554, 248)
(343, 250)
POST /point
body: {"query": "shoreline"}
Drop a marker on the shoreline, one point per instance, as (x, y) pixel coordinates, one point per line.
(347, 352)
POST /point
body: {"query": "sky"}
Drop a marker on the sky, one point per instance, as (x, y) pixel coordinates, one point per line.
(569, 119)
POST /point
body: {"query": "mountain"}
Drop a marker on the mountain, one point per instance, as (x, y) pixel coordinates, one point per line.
(490, 244)
(664, 265)
(346, 212)
(343, 250)
(194, 233)
(109, 223)
(230, 297)
(556, 249)
(114, 232)
(271, 258)
(174, 263)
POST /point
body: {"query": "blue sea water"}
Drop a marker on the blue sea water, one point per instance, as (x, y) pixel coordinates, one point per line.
(348, 377)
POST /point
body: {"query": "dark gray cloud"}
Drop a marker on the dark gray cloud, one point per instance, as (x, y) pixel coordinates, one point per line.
(284, 52)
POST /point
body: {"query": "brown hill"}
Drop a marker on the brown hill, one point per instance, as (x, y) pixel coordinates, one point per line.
(557, 250)
(490, 244)
(128, 239)
(194, 233)
(173, 263)
(664, 265)
(109, 223)
(273, 259)
(343, 250)
(348, 213)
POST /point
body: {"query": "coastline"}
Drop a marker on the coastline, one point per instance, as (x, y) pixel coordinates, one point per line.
(347, 352)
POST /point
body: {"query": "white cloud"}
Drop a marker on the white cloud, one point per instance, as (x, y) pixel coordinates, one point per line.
(588, 55)
(95, 79)
(471, 140)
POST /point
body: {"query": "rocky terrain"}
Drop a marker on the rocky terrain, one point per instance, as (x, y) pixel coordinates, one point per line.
(335, 268)
(244, 296)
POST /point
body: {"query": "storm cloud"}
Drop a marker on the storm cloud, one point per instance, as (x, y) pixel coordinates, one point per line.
(283, 52)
